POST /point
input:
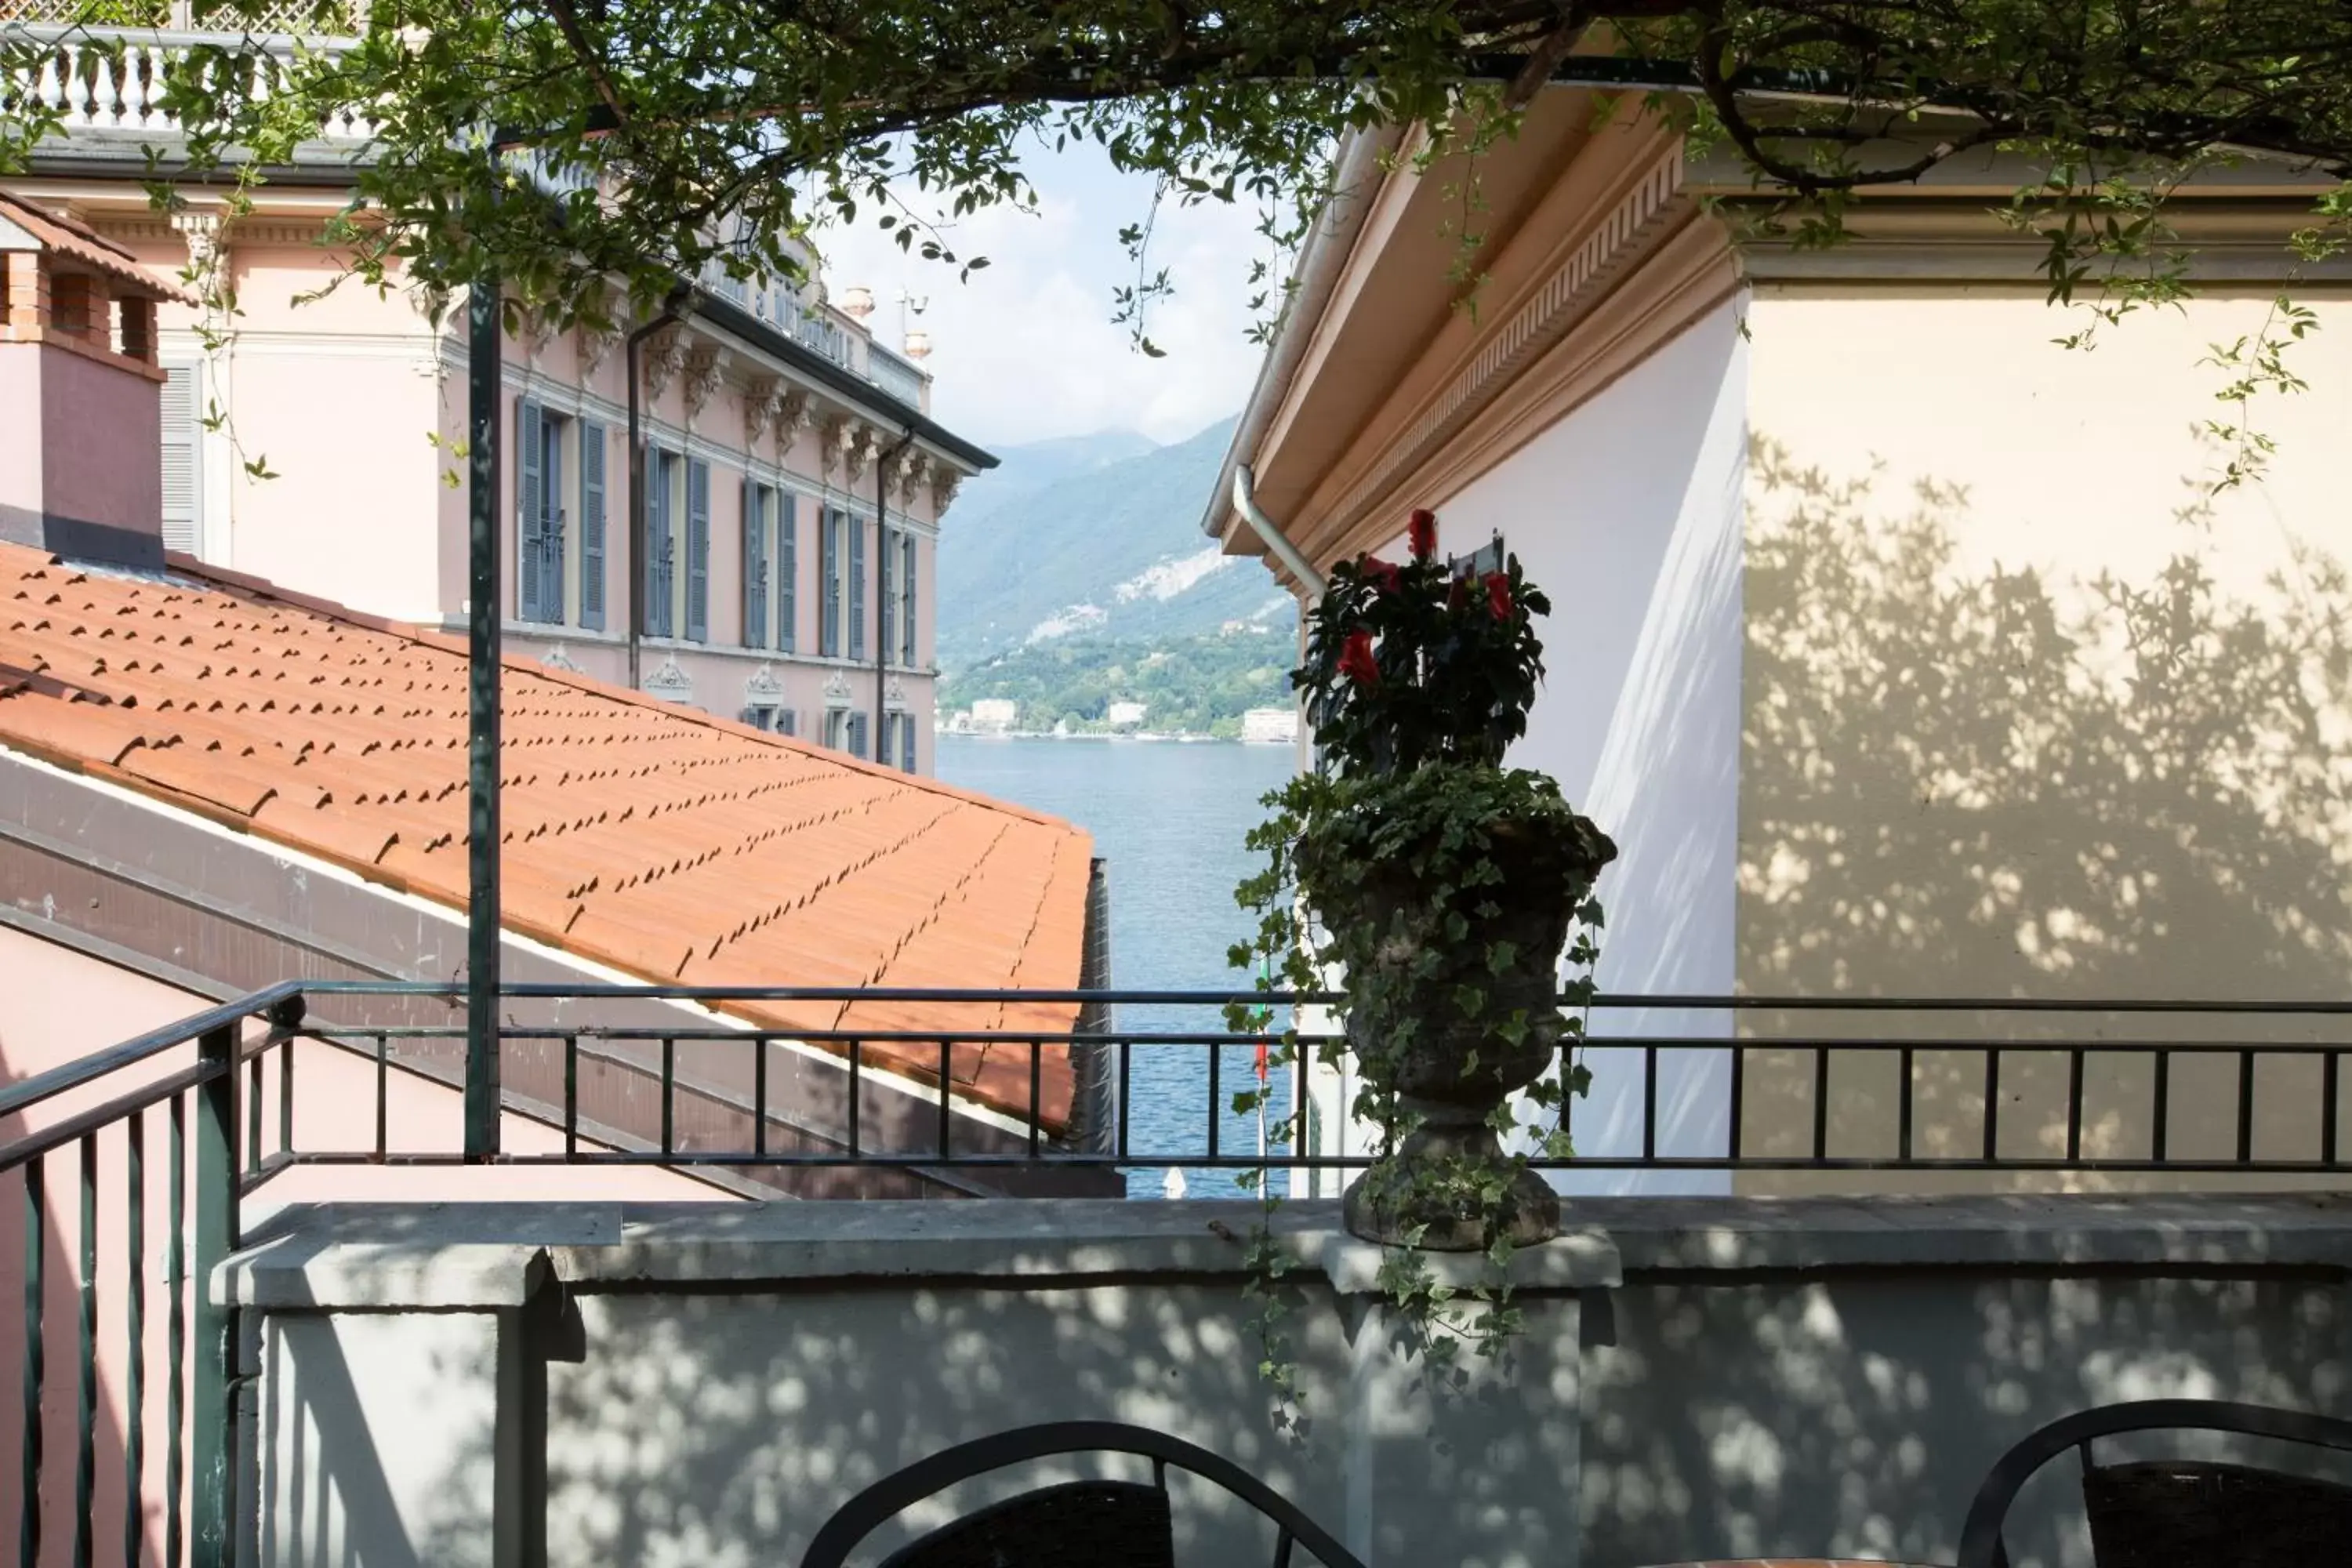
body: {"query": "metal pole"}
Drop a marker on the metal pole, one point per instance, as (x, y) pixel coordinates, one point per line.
(483, 659)
(210, 1500)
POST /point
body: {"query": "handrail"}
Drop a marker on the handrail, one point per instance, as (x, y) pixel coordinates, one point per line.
(88, 1068)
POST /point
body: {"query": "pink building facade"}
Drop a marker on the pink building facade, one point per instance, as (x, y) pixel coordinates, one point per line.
(782, 574)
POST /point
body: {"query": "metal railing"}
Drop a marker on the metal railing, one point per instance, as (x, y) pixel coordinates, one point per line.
(894, 375)
(2031, 1093)
(112, 79)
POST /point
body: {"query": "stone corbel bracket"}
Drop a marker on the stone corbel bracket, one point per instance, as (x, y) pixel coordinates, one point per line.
(849, 442)
(944, 481)
(763, 401)
(664, 357)
(705, 368)
(911, 465)
(593, 345)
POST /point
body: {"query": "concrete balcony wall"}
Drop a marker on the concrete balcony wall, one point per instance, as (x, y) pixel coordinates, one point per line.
(586, 1383)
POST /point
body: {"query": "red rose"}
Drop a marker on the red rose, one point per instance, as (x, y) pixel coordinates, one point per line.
(1422, 530)
(1498, 594)
(1383, 575)
(1356, 659)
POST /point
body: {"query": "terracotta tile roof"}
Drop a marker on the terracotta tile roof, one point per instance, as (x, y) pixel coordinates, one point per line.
(658, 840)
(70, 237)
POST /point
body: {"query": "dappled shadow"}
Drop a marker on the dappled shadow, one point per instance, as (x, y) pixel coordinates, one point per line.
(1996, 782)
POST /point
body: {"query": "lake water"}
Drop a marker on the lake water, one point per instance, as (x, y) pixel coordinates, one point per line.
(1168, 819)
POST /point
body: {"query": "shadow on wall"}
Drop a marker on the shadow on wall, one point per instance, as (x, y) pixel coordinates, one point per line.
(1999, 783)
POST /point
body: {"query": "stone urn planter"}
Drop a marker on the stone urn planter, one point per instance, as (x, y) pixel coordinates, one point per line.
(1448, 1186)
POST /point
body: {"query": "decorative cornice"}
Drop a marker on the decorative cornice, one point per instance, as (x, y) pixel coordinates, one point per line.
(202, 231)
(849, 444)
(761, 684)
(836, 686)
(762, 400)
(945, 481)
(1651, 208)
(556, 658)
(670, 683)
(894, 695)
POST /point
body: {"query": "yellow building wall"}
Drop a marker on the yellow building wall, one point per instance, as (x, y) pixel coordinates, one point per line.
(2030, 709)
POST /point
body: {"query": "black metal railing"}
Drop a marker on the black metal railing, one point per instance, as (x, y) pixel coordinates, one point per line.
(1873, 1090)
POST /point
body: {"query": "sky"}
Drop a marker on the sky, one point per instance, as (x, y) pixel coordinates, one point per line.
(1026, 349)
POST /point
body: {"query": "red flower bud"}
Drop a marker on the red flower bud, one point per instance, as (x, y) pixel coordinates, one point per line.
(1498, 594)
(1423, 532)
(1356, 659)
(1383, 575)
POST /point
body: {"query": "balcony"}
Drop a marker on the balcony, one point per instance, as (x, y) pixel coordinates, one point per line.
(254, 1324)
(105, 84)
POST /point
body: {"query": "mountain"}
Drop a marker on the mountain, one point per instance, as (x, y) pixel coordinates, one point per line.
(1088, 540)
(1023, 471)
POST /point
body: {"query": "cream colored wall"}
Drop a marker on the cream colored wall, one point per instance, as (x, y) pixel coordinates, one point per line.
(1958, 776)
(1626, 513)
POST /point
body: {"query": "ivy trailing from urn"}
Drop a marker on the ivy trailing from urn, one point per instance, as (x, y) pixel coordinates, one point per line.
(1436, 889)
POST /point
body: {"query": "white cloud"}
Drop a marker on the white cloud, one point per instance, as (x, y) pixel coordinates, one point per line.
(1026, 349)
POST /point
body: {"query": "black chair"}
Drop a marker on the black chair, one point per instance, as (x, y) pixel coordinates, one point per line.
(2180, 1514)
(1077, 1524)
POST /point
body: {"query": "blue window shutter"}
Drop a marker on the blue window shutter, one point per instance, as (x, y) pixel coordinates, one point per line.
(698, 551)
(906, 614)
(857, 734)
(592, 525)
(788, 573)
(530, 519)
(906, 741)
(755, 565)
(856, 588)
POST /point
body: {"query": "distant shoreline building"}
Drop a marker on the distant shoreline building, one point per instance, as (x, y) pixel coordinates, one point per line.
(1270, 727)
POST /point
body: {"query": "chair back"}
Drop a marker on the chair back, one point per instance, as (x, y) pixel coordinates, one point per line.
(2177, 1513)
(1108, 1506)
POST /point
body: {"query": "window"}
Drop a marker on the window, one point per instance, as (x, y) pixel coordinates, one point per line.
(183, 430)
(787, 574)
(829, 564)
(787, 721)
(907, 603)
(1487, 558)
(592, 525)
(760, 717)
(836, 728)
(538, 513)
(758, 501)
(661, 540)
(698, 551)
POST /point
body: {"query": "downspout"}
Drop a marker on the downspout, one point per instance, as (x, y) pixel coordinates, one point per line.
(882, 578)
(672, 309)
(1266, 528)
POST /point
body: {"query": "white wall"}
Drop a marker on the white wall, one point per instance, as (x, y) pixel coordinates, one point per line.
(1628, 514)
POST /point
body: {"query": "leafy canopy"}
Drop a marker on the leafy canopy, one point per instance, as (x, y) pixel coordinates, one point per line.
(730, 126)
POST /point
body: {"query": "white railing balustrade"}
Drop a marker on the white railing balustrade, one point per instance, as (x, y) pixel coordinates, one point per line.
(98, 78)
